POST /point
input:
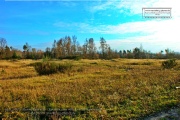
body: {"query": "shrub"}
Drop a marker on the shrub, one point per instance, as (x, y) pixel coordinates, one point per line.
(168, 64)
(46, 68)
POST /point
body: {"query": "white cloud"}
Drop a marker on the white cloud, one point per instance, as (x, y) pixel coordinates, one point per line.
(157, 33)
(160, 29)
(149, 43)
(135, 7)
(104, 6)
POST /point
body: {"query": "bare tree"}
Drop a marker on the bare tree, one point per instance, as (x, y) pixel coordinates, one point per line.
(3, 44)
(85, 48)
(74, 45)
(68, 45)
(34, 55)
(103, 47)
(59, 48)
(54, 49)
(91, 48)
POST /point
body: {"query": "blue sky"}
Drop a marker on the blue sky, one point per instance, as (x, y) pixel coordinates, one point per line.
(120, 22)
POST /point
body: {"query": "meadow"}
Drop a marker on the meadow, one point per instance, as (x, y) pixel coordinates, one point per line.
(92, 89)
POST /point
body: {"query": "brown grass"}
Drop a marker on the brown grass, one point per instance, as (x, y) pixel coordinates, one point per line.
(119, 88)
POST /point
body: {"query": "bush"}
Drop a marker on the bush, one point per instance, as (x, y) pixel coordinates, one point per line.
(46, 68)
(168, 64)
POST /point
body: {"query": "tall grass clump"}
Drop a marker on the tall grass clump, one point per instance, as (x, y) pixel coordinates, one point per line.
(46, 68)
(64, 67)
(168, 64)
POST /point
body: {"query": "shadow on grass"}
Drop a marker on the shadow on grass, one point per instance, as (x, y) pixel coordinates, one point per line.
(18, 77)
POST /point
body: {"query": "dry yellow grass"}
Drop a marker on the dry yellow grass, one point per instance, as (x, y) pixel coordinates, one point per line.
(118, 88)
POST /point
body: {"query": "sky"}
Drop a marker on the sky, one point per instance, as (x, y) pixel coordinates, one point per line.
(120, 22)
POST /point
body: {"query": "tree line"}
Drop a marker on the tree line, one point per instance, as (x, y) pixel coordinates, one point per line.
(69, 48)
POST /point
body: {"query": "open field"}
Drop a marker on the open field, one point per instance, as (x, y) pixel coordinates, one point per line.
(93, 89)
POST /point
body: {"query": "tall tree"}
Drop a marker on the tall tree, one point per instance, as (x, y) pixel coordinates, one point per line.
(47, 52)
(54, 49)
(59, 48)
(39, 54)
(8, 52)
(109, 52)
(26, 48)
(121, 53)
(3, 44)
(167, 52)
(34, 55)
(79, 48)
(129, 54)
(103, 47)
(64, 50)
(85, 48)
(68, 45)
(74, 45)
(137, 53)
(91, 48)
(124, 53)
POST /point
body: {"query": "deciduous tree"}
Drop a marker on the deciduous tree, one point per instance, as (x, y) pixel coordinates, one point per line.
(3, 44)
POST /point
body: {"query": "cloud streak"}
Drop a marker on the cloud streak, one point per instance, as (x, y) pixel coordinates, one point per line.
(132, 8)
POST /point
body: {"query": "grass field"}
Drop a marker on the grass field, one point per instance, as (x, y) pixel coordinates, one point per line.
(93, 89)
